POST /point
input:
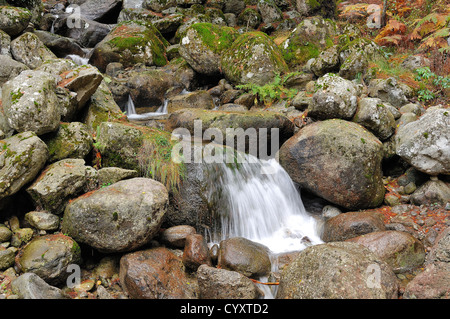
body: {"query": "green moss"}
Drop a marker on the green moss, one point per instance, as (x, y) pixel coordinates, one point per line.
(215, 37)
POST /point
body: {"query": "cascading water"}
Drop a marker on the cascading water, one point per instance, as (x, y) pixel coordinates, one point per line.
(130, 109)
(257, 200)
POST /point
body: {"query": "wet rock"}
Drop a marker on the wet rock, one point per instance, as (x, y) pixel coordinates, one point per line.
(203, 44)
(120, 217)
(49, 256)
(375, 116)
(31, 286)
(337, 270)
(10, 68)
(58, 183)
(23, 156)
(30, 102)
(424, 143)
(196, 252)
(176, 235)
(154, 274)
(86, 32)
(253, 58)
(352, 224)
(337, 160)
(29, 50)
(13, 20)
(42, 220)
(399, 250)
(217, 283)
(242, 255)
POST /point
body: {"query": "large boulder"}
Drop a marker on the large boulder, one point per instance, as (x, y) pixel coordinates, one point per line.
(253, 58)
(49, 256)
(154, 274)
(424, 143)
(338, 270)
(203, 45)
(339, 161)
(117, 218)
(29, 50)
(400, 250)
(129, 43)
(22, 157)
(14, 20)
(431, 193)
(307, 40)
(30, 102)
(223, 122)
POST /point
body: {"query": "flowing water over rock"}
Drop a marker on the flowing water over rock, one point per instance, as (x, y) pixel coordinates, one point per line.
(132, 115)
(257, 200)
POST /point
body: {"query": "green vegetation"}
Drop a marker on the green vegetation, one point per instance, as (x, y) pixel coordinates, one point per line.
(270, 92)
(215, 37)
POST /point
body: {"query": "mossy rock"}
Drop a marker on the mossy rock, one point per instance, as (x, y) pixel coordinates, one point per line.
(307, 40)
(129, 43)
(72, 140)
(203, 45)
(144, 149)
(253, 59)
(14, 20)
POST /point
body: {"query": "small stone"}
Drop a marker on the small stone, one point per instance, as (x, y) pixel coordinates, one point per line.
(176, 236)
(7, 258)
(5, 234)
(42, 220)
(21, 236)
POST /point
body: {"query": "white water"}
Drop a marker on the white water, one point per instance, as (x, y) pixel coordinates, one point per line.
(261, 203)
(79, 60)
(130, 110)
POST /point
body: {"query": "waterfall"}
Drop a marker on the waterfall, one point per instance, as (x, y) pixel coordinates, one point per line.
(258, 200)
(52, 28)
(79, 60)
(132, 115)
